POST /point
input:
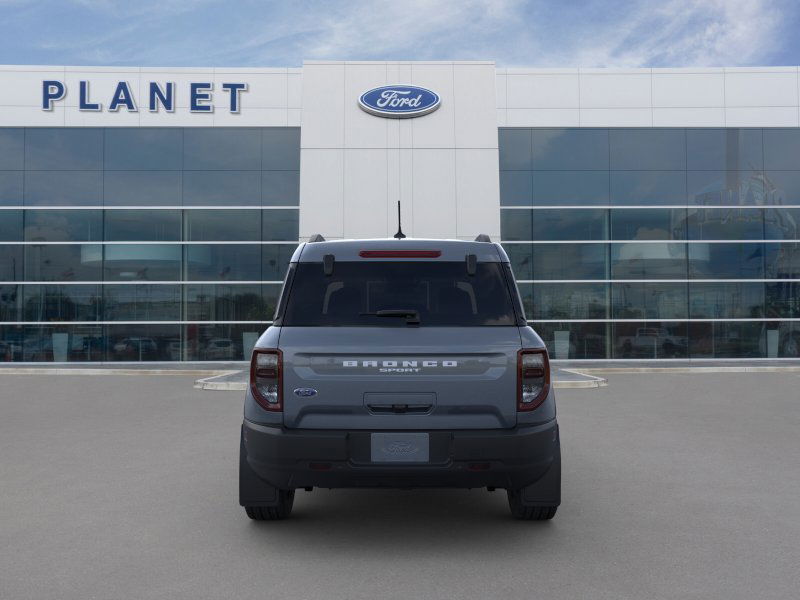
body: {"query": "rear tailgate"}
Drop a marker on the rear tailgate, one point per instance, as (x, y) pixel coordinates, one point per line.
(400, 378)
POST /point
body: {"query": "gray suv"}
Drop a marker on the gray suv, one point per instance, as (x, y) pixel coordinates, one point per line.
(402, 364)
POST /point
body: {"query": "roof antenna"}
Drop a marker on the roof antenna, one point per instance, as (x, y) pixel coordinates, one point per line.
(399, 235)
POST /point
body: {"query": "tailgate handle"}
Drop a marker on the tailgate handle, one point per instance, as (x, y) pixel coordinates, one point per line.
(399, 409)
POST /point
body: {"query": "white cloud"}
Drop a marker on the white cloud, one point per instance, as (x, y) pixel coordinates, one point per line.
(624, 33)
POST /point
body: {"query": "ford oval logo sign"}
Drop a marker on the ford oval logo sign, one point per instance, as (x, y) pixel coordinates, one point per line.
(399, 101)
(305, 392)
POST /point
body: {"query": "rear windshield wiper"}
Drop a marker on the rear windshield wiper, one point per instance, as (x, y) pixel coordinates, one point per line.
(412, 316)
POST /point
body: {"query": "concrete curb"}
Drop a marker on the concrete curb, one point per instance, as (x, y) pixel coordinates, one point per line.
(56, 371)
(697, 370)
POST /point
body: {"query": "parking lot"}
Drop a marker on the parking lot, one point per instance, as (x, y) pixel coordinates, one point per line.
(675, 486)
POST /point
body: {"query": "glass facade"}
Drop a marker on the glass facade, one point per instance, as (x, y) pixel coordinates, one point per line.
(133, 244)
(655, 243)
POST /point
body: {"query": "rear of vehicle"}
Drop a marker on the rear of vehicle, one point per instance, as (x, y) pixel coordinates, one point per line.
(400, 364)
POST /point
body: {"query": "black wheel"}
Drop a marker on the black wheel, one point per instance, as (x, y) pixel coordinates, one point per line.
(528, 513)
(273, 513)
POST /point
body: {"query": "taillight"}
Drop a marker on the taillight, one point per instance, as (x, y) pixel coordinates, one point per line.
(266, 378)
(533, 378)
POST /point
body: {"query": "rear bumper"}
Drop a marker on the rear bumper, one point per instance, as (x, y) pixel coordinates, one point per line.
(297, 458)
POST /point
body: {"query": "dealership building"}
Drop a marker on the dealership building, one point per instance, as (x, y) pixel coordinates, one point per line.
(148, 214)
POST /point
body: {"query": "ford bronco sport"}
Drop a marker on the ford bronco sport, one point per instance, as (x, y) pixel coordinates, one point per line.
(399, 364)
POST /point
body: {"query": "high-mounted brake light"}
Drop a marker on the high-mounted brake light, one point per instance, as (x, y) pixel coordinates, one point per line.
(400, 253)
(533, 378)
(266, 378)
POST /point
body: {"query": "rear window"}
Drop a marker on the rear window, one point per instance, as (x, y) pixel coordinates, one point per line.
(441, 294)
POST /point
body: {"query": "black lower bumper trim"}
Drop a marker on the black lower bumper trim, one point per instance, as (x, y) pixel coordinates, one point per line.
(298, 458)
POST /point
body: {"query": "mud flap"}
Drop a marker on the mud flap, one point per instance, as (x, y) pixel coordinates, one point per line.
(547, 490)
(253, 491)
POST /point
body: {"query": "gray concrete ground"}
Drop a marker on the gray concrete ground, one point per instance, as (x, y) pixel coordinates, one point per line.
(675, 486)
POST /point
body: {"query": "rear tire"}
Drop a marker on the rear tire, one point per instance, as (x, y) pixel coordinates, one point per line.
(528, 513)
(281, 510)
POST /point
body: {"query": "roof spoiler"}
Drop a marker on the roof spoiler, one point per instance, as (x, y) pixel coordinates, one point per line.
(317, 237)
(482, 237)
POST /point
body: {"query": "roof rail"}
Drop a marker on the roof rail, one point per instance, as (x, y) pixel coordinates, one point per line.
(317, 237)
(482, 237)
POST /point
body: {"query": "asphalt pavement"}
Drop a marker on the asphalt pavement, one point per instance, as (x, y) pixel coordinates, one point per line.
(675, 486)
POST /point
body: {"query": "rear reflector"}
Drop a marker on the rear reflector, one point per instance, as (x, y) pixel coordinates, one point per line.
(400, 253)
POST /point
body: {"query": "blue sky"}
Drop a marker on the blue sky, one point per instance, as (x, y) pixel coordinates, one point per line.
(584, 33)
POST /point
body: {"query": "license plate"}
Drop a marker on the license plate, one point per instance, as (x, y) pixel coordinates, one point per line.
(400, 447)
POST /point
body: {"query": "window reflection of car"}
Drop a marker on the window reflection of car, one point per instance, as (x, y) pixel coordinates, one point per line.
(136, 347)
(174, 349)
(219, 349)
(9, 351)
(653, 342)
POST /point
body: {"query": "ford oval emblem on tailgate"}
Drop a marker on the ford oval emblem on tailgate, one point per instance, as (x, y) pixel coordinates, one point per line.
(305, 392)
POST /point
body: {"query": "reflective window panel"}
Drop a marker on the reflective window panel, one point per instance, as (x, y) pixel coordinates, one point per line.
(516, 188)
(649, 300)
(731, 188)
(783, 340)
(650, 339)
(12, 148)
(570, 149)
(221, 148)
(648, 224)
(143, 148)
(726, 261)
(721, 339)
(782, 187)
(143, 188)
(782, 148)
(10, 304)
(63, 262)
(280, 188)
(726, 300)
(63, 225)
(11, 188)
(10, 226)
(11, 263)
(781, 223)
(648, 149)
(648, 261)
(145, 262)
(645, 188)
(782, 299)
(220, 302)
(570, 261)
(726, 224)
(62, 303)
(574, 340)
(564, 188)
(142, 225)
(280, 148)
(515, 149)
(61, 343)
(63, 149)
(234, 262)
(142, 302)
(143, 342)
(280, 224)
(555, 224)
(565, 300)
(724, 149)
(222, 188)
(782, 260)
(222, 225)
(63, 188)
(275, 260)
(221, 342)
